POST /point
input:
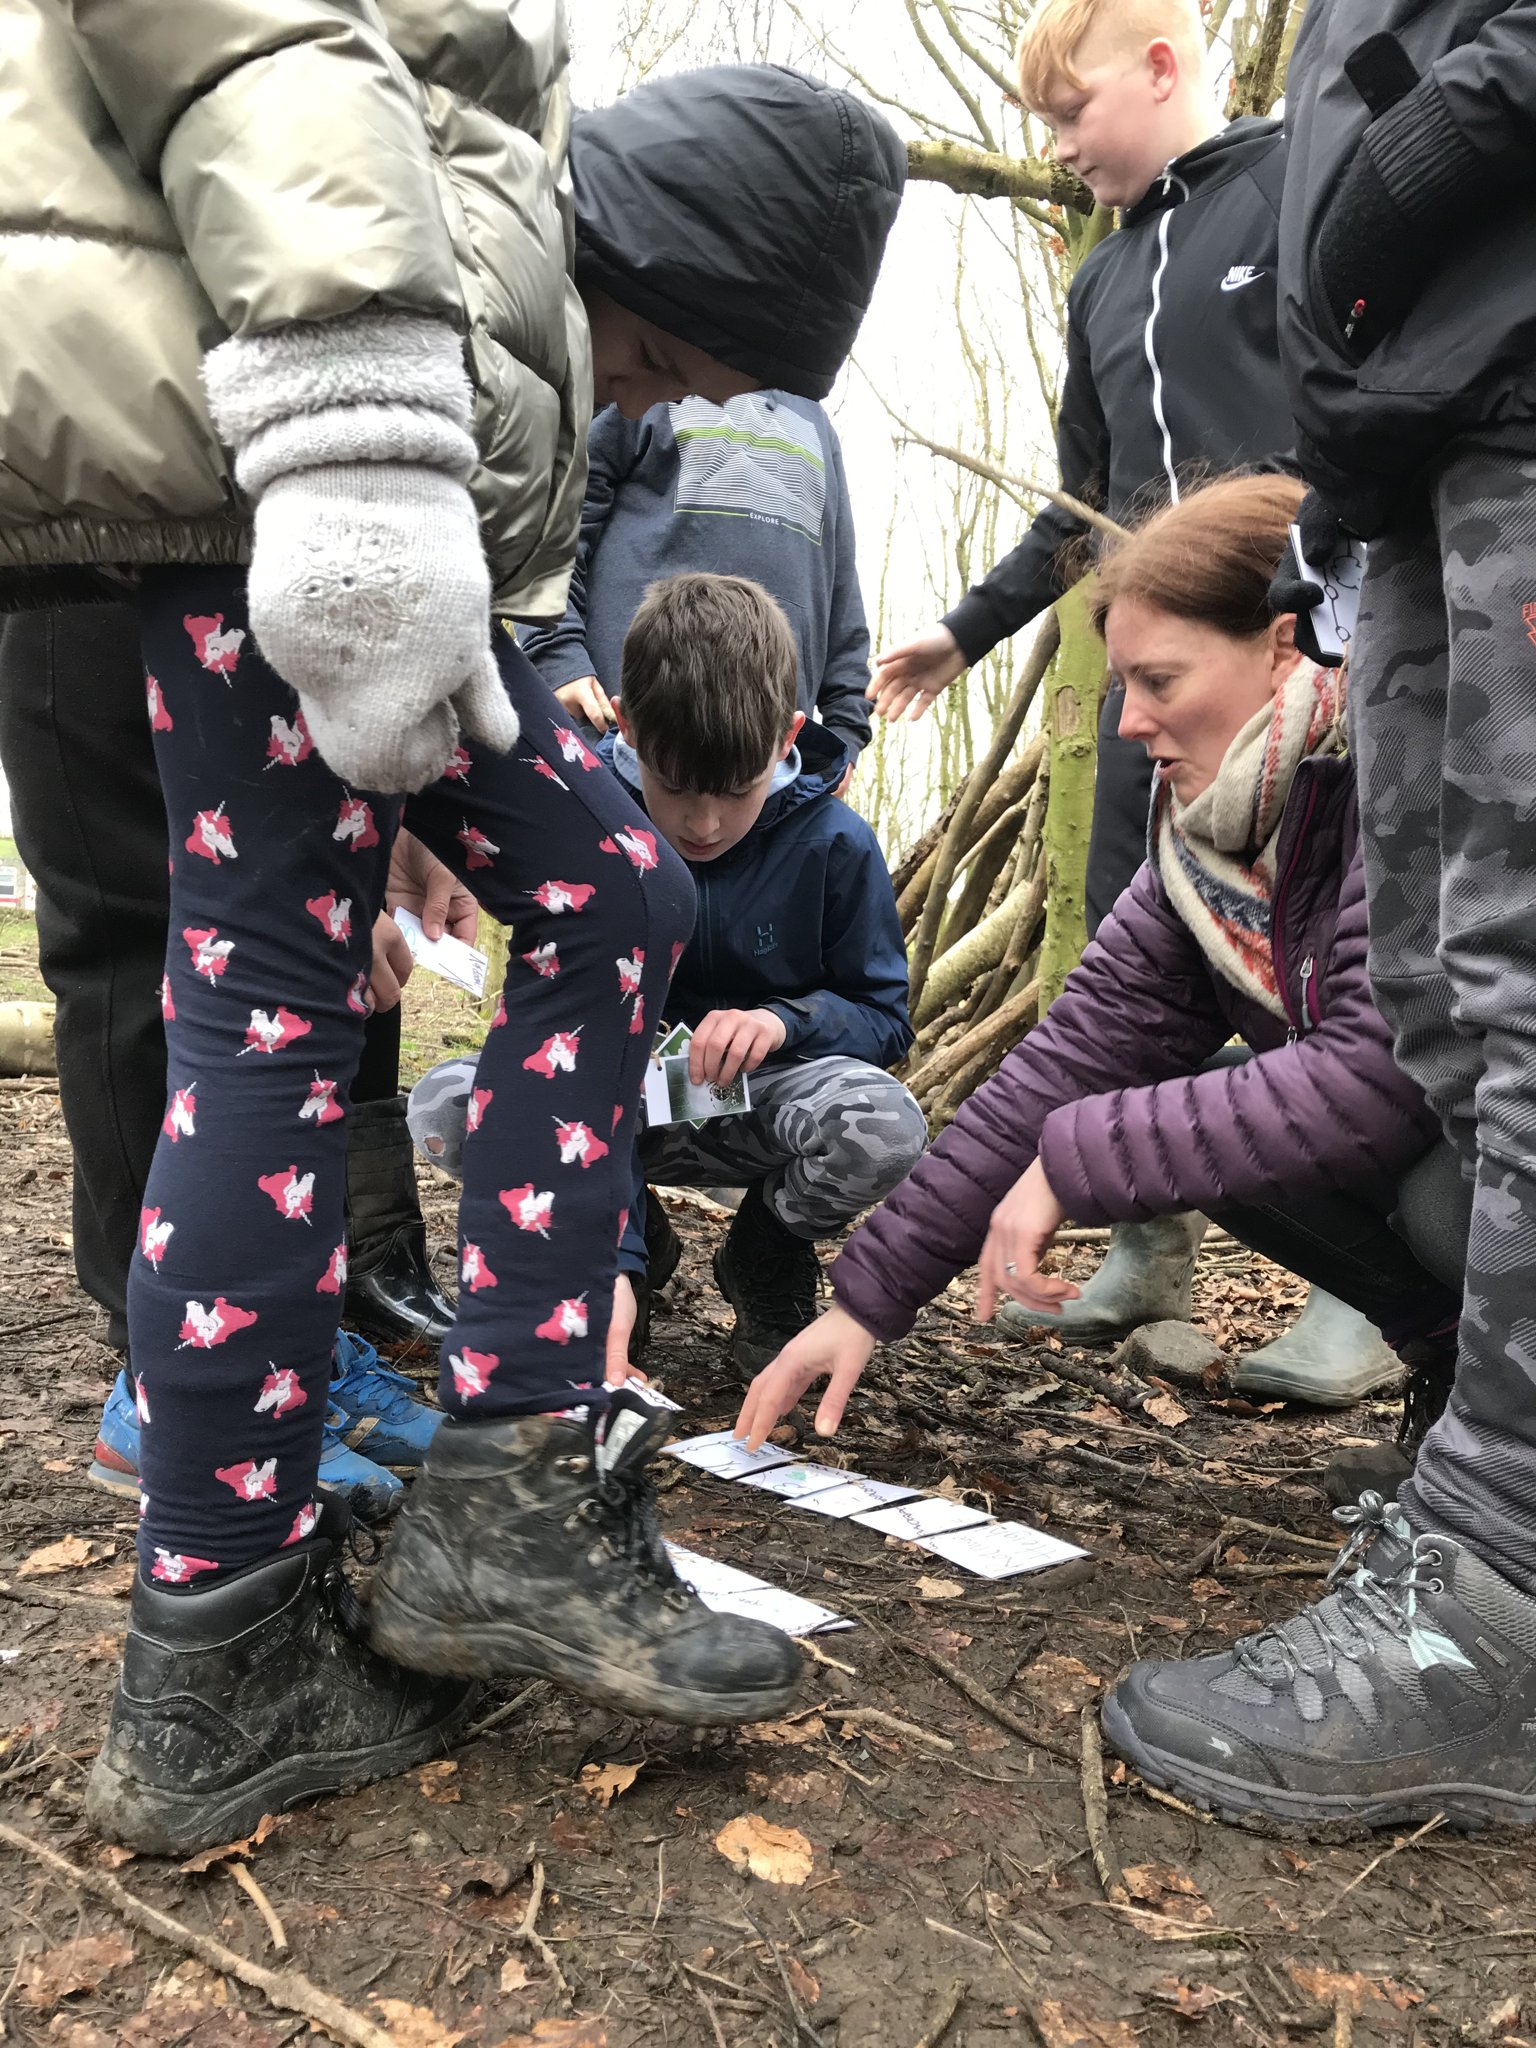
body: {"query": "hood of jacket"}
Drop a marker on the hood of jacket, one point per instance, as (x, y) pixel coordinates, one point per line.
(176, 174)
(671, 221)
(823, 762)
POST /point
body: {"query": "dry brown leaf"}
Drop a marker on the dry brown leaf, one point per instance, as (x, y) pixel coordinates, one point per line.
(1164, 1409)
(1196, 1925)
(438, 1782)
(604, 1782)
(585, 2031)
(1065, 2025)
(803, 1788)
(514, 1975)
(58, 1464)
(1190, 2001)
(1209, 1589)
(1350, 1987)
(774, 1854)
(939, 1589)
(414, 2026)
(1506, 2014)
(1062, 1682)
(811, 1729)
(206, 1858)
(73, 1966)
(191, 1987)
(67, 1555)
(807, 1990)
(112, 1855)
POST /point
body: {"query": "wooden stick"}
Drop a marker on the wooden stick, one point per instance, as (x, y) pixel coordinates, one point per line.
(260, 1901)
(710, 2014)
(288, 1989)
(944, 2018)
(988, 1702)
(1096, 1812)
(875, 1717)
(1407, 1842)
(525, 1929)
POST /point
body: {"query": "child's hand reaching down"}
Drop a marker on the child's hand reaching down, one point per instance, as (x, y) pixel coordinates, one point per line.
(731, 1042)
(835, 1348)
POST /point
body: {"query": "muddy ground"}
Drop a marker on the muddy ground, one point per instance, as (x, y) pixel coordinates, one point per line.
(942, 1879)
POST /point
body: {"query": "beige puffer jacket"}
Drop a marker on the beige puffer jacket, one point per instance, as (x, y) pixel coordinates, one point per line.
(178, 170)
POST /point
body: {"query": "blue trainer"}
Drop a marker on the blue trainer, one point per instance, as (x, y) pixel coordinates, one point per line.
(369, 1490)
(385, 1413)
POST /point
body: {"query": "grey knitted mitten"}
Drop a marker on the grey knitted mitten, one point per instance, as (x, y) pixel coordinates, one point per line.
(368, 587)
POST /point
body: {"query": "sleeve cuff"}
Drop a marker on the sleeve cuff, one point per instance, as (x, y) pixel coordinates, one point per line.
(975, 626)
(1421, 155)
(559, 664)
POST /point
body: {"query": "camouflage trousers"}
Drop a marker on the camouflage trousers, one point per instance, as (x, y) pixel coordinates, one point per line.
(1443, 715)
(828, 1138)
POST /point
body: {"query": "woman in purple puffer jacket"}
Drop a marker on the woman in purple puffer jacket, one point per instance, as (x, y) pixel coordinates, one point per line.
(1249, 921)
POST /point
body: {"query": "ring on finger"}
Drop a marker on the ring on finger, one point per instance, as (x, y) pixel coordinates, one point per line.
(1009, 1268)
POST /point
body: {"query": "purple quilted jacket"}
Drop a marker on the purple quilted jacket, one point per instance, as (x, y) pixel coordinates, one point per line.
(1108, 1090)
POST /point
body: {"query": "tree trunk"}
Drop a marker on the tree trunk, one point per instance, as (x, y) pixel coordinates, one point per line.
(1072, 693)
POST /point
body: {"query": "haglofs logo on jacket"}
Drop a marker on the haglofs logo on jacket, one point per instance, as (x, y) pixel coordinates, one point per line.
(1239, 275)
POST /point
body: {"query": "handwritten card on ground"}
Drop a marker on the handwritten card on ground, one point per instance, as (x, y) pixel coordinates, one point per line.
(998, 1550)
(857, 1497)
(722, 1455)
(725, 1590)
(926, 1517)
(463, 965)
(795, 1481)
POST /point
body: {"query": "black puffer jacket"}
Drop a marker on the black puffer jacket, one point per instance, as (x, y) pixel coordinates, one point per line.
(1409, 220)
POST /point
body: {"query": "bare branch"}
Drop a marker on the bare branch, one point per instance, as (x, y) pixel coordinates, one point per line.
(980, 467)
(951, 77)
(987, 174)
(1006, 86)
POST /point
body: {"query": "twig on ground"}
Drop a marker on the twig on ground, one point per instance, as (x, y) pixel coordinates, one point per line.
(1298, 1570)
(959, 1934)
(989, 1703)
(1178, 1805)
(260, 1901)
(1403, 1842)
(803, 2030)
(525, 1930)
(1343, 2023)
(736, 1990)
(875, 1717)
(1129, 1395)
(27, 1596)
(819, 1656)
(62, 1315)
(288, 1989)
(710, 2014)
(1096, 1812)
(503, 1714)
(944, 2018)
(1240, 1525)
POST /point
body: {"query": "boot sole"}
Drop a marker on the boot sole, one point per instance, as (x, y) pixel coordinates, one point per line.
(1276, 1384)
(1466, 1807)
(161, 1823)
(503, 1649)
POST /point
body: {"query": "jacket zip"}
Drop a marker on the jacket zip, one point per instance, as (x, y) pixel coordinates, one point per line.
(1149, 339)
(1276, 947)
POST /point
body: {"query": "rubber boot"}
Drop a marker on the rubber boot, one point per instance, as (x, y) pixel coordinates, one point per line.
(1430, 1363)
(530, 1548)
(1330, 1357)
(253, 1694)
(1146, 1276)
(769, 1276)
(392, 1296)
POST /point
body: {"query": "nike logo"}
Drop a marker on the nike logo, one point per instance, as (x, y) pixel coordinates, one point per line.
(1239, 275)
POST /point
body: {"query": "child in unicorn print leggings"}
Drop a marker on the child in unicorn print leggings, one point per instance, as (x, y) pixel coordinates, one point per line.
(278, 870)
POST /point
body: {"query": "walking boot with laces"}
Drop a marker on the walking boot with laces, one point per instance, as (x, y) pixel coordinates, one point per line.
(1430, 1364)
(530, 1547)
(1146, 1276)
(253, 1694)
(770, 1277)
(1407, 1691)
(392, 1295)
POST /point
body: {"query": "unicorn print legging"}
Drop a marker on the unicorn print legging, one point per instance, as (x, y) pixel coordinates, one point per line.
(278, 870)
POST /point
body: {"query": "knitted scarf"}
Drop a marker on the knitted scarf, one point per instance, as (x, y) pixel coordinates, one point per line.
(1216, 854)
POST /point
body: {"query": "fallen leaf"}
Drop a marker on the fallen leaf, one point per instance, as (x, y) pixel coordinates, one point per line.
(807, 1990)
(1190, 2001)
(897, 1845)
(1350, 1987)
(577, 1837)
(1164, 1409)
(58, 1464)
(939, 1589)
(438, 1782)
(1506, 2014)
(604, 1782)
(811, 1729)
(949, 1642)
(514, 1975)
(776, 1855)
(1209, 1589)
(1168, 1889)
(113, 1855)
(1062, 1682)
(73, 1966)
(206, 1858)
(67, 1555)
(804, 1788)
(483, 1874)
(585, 2031)
(191, 1987)
(1165, 1926)
(414, 2026)
(1065, 2025)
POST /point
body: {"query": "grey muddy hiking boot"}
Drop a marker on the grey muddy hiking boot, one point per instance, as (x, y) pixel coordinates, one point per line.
(769, 1276)
(530, 1547)
(254, 1694)
(1330, 1356)
(1408, 1690)
(1146, 1276)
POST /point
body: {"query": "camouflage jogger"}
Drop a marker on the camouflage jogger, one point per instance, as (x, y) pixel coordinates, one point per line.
(828, 1138)
(1443, 707)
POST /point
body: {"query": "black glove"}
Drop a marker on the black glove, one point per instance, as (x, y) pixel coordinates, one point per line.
(1370, 256)
(1323, 535)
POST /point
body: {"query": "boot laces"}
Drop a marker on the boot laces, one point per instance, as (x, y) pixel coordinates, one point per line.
(340, 1597)
(624, 1510)
(1362, 1603)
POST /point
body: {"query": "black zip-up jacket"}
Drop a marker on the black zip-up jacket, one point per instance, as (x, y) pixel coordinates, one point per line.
(1172, 362)
(1410, 221)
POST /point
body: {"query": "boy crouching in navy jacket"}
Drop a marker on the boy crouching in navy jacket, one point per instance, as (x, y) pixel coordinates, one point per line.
(795, 974)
